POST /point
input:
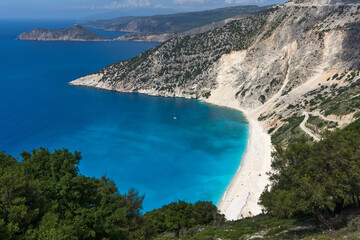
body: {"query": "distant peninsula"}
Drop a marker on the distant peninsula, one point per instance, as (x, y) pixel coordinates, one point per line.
(73, 33)
(160, 28)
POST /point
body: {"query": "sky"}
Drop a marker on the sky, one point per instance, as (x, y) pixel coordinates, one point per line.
(75, 9)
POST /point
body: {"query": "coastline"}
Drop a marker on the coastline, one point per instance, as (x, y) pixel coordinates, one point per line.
(241, 197)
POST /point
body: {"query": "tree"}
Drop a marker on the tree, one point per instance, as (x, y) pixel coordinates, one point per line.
(309, 178)
(16, 196)
(43, 196)
(181, 215)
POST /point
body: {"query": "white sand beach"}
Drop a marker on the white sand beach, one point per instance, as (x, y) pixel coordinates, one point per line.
(242, 195)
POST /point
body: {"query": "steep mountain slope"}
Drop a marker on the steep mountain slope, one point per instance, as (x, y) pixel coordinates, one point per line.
(180, 67)
(162, 37)
(301, 57)
(269, 61)
(73, 33)
(164, 27)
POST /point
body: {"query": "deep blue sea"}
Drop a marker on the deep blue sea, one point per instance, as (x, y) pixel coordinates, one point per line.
(132, 138)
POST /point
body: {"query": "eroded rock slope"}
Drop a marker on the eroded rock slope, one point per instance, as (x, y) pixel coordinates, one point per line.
(302, 56)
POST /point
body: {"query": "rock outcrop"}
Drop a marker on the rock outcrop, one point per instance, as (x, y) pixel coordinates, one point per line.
(73, 33)
(279, 62)
(301, 57)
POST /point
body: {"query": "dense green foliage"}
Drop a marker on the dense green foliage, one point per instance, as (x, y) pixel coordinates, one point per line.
(308, 178)
(43, 196)
(182, 216)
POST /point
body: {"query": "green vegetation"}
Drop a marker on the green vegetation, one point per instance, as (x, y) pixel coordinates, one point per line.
(319, 126)
(343, 100)
(181, 62)
(72, 33)
(265, 227)
(43, 196)
(314, 178)
(287, 133)
(269, 227)
(339, 98)
(181, 216)
(175, 23)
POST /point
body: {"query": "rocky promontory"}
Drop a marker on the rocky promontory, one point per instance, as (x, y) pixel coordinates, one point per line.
(73, 33)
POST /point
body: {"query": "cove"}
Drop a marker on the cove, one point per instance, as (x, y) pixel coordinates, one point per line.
(167, 148)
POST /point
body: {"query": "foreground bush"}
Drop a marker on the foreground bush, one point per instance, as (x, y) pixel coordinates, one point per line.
(43, 196)
(313, 178)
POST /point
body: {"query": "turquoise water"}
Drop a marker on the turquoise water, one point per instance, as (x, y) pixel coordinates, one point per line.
(132, 138)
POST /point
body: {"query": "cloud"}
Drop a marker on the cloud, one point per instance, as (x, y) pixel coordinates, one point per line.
(128, 3)
(161, 6)
(114, 5)
(188, 1)
(243, 1)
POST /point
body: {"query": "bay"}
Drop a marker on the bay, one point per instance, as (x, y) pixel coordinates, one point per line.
(167, 148)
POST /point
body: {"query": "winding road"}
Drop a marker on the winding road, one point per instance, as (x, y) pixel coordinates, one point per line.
(305, 129)
(308, 131)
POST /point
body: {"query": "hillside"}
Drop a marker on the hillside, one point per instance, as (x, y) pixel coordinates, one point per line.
(269, 228)
(279, 62)
(43, 196)
(296, 59)
(73, 33)
(163, 27)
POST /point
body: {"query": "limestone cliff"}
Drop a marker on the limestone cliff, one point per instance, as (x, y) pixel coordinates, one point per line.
(302, 56)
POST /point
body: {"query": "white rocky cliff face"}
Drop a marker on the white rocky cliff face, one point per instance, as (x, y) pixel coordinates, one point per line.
(304, 55)
(277, 53)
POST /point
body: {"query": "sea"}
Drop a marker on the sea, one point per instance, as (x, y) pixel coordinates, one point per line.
(168, 149)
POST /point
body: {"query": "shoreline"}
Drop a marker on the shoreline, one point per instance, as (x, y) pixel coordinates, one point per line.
(242, 194)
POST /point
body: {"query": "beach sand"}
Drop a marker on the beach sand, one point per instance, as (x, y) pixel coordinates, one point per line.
(241, 197)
